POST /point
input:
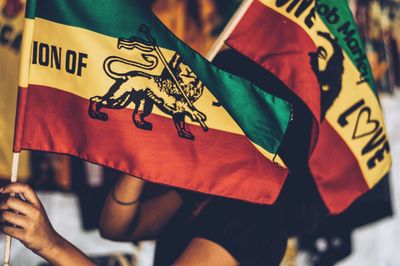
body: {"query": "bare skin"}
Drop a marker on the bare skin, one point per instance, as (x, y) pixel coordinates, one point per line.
(117, 221)
(29, 223)
(201, 252)
(145, 220)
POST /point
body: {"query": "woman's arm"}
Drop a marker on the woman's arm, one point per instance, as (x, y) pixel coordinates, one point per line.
(203, 252)
(28, 222)
(126, 218)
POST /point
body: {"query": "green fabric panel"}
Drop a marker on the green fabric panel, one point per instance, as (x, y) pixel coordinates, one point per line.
(263, 117)
(30, 9)
(340, 28)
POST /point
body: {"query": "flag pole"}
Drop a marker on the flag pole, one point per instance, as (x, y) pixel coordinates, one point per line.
(23, 82)
(14, 178)
(233, 22)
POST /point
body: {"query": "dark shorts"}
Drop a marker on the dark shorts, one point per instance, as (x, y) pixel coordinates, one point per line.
(256, 235)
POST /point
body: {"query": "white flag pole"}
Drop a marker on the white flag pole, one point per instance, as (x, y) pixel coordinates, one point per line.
(219, 43)
(22, 83)
(14, 178)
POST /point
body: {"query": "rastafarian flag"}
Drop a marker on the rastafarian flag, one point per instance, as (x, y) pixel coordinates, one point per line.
(315, 49)
(106, 81)
(11, 27)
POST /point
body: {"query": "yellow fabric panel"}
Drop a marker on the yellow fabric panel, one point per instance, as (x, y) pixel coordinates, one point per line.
(94, 81)
(360, 121)
(9, 69)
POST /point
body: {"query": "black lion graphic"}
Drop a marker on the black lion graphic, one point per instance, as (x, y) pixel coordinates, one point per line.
(330, 79)
(173, 91)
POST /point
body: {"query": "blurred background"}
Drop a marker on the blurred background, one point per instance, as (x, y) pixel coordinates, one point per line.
(73, 191)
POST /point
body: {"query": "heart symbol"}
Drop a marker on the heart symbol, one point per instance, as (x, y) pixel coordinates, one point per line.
(365, 125)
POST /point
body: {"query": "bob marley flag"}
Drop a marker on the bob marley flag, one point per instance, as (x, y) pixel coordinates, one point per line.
(11, 27)
(315, 49)
(106, 81)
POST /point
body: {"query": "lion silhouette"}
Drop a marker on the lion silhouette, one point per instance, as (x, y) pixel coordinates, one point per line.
(12, 8)
(145, 90)
(330, 79)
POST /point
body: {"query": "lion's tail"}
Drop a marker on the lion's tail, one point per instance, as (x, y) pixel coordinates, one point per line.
(151, 63)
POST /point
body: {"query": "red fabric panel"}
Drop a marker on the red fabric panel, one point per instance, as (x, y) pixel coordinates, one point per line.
(216, 162)
(280, 46)
(334, 167)
(19, 118)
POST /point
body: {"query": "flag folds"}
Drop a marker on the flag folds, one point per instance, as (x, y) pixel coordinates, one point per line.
(315, 49)
(106, 81)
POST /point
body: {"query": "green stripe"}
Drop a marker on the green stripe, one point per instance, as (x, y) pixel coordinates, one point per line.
(263, 117)
(30, 9)
(345, 24)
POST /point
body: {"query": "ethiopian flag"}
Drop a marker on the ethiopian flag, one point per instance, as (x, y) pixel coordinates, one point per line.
(314, 48)
(106, 81)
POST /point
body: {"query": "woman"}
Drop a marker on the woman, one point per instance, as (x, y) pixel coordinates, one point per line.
(26, 220)
(191, 229)
(194, 229)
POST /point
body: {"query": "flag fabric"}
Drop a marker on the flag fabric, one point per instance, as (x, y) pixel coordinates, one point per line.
(107, 82)
(314, 48)
(11, 27)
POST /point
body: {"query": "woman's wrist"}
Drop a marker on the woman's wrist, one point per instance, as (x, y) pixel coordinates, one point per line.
(53, 248)
(60, 252)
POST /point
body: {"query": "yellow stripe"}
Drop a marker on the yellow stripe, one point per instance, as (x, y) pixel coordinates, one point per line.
(29, 25)
(351, 93)
(95, 82)
(278, 160)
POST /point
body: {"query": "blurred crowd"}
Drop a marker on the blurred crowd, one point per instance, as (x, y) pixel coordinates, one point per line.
(379, 25)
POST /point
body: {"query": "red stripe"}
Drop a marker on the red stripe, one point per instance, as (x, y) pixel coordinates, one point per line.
(336, 171)
(280, 46)
(19, 118)
(217, 162)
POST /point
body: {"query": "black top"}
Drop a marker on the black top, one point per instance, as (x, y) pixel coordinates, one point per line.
(254, 234)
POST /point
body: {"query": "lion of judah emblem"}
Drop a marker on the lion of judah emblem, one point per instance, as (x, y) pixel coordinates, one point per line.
(173, 91)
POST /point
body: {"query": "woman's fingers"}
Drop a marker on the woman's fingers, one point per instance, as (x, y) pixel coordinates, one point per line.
(17, 205)
(23, 189)
(13, 231)
(14, 218)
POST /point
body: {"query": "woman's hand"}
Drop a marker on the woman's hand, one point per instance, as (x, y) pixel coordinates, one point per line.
(27, 220)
